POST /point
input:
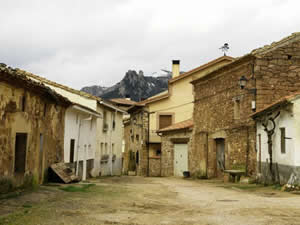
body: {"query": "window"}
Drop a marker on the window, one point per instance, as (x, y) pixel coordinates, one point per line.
(137, 137)
(23, 103)
(165, 121)
(105, 151)
(45, 109)
(113, 121)
(105, 125)
(237, 107)
(158, 152)
(282, 133)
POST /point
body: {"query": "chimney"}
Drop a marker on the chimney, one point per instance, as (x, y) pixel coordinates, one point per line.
(127, 97)
(175, 68)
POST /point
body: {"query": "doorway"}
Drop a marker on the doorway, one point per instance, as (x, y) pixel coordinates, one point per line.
(20, 153)
(41, 157)
(220, 158)
(72, 150)
(180, 159)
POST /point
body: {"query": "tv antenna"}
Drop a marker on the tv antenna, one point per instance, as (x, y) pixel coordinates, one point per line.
(225, 48)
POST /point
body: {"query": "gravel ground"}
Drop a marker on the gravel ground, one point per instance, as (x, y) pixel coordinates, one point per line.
(138, 200)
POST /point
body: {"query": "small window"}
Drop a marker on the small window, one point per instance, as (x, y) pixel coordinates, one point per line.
(283, 145)
(158, 152)
(23, 103)
(165, 121)
(137, 137)
(237, 107)
(45, 109)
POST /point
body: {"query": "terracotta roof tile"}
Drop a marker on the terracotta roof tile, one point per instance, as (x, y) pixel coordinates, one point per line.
(46, 81)
(178, 126)
(279, 102)
(18, 77)
(204, 66)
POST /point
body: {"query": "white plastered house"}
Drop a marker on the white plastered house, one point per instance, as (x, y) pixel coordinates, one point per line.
(281, 121)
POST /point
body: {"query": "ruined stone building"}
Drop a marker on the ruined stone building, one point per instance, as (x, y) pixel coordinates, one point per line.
(93, 132)
(32, 120)
(136, 136)
(224, 135)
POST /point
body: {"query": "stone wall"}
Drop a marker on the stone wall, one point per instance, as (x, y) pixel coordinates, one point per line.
(23, 111)
(154, 167)
(222, 109)
(136, 136)
(167, 151)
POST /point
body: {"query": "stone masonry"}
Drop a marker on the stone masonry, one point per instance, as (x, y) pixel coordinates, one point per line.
(222, 110)
(136, 136)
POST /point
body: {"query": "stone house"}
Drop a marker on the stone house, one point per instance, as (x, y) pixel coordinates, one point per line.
(136, 138)
(165, 109)
(93, 134)
(32, 118)
(224, 134)
(277, 141)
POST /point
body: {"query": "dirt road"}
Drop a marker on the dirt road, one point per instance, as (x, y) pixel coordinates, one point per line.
(137, 200)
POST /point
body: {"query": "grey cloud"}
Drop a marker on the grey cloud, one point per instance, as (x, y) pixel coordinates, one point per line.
(80, 43)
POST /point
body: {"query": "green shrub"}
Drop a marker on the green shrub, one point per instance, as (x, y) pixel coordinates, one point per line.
(6, 184)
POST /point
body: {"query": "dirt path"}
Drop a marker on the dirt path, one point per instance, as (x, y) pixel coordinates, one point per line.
(137, 200)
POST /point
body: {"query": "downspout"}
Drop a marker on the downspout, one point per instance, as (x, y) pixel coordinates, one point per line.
(247, 152)
(206, 155)
(77, 154)
(111, 128)
(148, 145)
(77, 161)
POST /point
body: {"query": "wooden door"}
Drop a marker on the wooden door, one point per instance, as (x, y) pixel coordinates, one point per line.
(220, 146)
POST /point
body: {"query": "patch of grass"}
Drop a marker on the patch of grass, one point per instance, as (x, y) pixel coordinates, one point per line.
(26, 205)
(82, 188)
(10, 195)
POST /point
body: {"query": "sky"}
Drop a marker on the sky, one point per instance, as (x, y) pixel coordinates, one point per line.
(95, 42)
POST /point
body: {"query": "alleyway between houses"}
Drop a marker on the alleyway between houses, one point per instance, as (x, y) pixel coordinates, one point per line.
(138, 200)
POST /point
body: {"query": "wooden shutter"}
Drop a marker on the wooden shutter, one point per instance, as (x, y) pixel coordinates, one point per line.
(165, 121)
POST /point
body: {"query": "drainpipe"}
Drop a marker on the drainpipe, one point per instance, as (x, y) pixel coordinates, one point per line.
(84, 164)
(148, 146)
(77, 161)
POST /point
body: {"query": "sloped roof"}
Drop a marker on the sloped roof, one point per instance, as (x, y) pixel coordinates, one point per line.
(46, 81)
(254, 53)
(18, 77)
(202, 67)
(122, 101)
(155, 98)
(178, 126)
(277, 104)
(165, 94)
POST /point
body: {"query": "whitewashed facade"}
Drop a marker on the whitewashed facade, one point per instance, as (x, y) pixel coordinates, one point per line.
(108, 160)
(285, 141)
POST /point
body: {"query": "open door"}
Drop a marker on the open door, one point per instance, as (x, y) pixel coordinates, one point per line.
(220, 146)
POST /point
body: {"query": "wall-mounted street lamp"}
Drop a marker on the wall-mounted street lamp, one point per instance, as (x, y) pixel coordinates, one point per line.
(243, 82)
